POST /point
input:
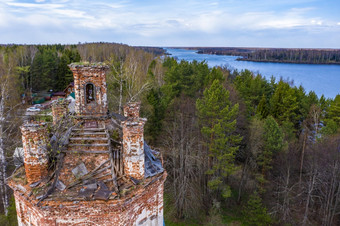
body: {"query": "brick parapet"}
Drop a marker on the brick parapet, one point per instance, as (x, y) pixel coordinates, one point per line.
(143, 206)
(34, 139)
(133, 142)
(59, 109)
(131, 110)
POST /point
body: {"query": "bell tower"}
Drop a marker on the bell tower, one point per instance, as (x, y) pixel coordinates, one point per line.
(90, 89)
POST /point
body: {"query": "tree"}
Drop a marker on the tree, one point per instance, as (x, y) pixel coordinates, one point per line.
(334, 110)
(9, 101)
(283, 104)
(218, 120)
(252, 89)
(255, 213)
(272, 144)
(127, 80)
(64, 75)
(185, 162)
(263, 109)
(332, 116)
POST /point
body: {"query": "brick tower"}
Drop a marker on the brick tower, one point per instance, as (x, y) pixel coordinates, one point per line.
(82, 173)
(90, 89)
(133, 141)
(34, 137)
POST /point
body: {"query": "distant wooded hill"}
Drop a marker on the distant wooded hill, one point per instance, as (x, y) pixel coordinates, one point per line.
(301, 56)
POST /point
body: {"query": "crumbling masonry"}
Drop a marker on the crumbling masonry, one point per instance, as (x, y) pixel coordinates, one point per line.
(94, 168)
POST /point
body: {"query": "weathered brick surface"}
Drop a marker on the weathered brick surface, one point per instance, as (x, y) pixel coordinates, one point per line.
(83, 76)
(135, 204)
(91, 161)
(133, 142)
(59, 109)
(34, 139)
(131, 110)
(144, 206)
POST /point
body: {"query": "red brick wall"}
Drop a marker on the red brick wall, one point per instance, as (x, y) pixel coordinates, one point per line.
(131, 110)
(144, 206)
(95, 75)
(133, 142)
(34, 139)
(59, 109)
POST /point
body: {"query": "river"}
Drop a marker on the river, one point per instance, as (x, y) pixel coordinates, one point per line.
(322, 79)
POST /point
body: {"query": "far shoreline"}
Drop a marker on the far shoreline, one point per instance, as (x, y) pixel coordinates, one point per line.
(290, 55)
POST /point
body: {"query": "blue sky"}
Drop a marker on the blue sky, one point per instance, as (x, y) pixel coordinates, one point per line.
(240, 23)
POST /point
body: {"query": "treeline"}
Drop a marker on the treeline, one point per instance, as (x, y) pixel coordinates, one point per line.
(44, 67)
(282, 55)
(237, 147)
(158, 51)
(240, 148)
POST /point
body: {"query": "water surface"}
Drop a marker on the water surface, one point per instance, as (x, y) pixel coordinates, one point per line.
(322, 79)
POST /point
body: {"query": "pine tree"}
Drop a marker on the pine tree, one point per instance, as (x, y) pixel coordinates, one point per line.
(283, 104)
(255, 213)
(273, 143)
(332, 117)
(218, 119)
(262, 109)
(334, 110)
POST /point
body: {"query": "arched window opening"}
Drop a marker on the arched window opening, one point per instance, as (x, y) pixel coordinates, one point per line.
(89, 93)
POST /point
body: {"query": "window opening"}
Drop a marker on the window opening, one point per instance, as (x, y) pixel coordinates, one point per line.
(89, 93)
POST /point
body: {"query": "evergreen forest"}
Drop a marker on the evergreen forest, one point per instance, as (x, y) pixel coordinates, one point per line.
(239, 148)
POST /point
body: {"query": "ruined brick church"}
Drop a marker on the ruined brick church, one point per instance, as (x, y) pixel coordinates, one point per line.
(90, 167)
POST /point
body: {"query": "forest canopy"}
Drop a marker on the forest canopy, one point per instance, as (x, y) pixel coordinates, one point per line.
(237, 147)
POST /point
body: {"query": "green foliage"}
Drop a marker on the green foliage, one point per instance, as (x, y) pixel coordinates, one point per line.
(272, 143)
(49, 68)
(312, 98)
(218, 119)
(263, 108)
(11, 218)
(283, 103)
(158, 107)
(252, 89)
(183, 78)
(255, 213)
(331, 128)
(334, 110)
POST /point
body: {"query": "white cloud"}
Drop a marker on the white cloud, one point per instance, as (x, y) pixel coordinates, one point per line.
(201, 20)
(34, 6)
(316, 22)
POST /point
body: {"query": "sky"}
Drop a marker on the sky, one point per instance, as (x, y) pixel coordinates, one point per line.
(220, 23)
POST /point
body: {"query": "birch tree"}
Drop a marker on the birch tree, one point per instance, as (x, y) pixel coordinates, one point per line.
(9, 102)
(3, 162)
(127, 80)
